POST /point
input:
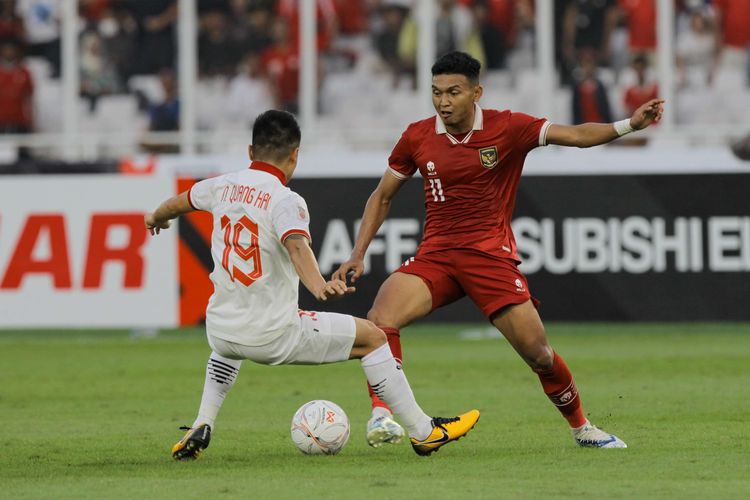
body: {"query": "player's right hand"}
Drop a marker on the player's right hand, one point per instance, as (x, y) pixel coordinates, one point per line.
(153, 225)
(353, 268)
(334, 289)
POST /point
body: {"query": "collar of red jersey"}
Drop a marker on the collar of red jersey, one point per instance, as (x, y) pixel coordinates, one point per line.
(270, 169)
(478, 124)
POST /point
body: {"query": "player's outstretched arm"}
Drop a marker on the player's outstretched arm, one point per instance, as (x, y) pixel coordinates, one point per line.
(168, 210)
(594, 134)
(307, 268)
(377, 208)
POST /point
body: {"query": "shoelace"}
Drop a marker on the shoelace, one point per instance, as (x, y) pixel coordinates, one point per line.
(439, 421)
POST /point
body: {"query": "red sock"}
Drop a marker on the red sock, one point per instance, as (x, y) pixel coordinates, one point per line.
(560, 388)
(394, 341)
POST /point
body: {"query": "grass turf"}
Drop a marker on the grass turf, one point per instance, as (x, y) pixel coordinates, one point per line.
(94, 414)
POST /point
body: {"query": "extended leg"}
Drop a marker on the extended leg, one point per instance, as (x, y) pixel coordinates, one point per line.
(221, 374)
(523, 328)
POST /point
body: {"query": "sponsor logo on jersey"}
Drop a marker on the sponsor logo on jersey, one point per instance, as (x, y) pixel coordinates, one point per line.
(488, 157)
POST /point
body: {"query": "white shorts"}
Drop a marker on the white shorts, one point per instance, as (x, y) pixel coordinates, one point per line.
(318, 338)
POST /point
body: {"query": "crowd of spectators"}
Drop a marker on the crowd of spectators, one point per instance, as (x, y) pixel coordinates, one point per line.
(251, 48)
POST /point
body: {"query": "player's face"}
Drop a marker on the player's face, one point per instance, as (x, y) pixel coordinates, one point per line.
(453, 97)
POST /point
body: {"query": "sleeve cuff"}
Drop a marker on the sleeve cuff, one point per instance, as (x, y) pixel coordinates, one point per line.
(397, 174)
(296, 231)
(543, 133)
(190, 198)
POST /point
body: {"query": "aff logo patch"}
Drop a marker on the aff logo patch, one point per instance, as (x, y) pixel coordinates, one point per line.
(488, 157)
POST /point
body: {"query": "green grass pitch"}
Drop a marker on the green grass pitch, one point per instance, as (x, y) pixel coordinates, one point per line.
(94, 415)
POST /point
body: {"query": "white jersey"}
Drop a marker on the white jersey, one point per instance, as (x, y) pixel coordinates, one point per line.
(255, 284)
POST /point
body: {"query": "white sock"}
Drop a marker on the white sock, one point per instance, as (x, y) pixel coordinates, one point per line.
(221, 373)
(388, 381)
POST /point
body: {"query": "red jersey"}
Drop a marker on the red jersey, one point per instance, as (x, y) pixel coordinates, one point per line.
(282, 66)
(16, 89)
(641, 23)
(637, 95)
(735, 22)
(469, 183)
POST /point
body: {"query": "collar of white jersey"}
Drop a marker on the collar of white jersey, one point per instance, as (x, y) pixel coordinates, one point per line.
(478, 125)
(269, 169)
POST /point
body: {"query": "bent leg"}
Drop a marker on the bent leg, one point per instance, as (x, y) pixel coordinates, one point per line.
(523, 328)
(402, 298)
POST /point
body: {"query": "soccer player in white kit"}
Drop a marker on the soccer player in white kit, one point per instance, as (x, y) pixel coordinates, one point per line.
(260, 246)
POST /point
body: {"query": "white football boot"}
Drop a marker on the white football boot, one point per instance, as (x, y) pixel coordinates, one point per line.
(590, 436)
(381, 428)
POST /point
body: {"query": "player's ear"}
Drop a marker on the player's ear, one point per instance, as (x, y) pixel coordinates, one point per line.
(250, 151)
(478, 90)
(293, 157)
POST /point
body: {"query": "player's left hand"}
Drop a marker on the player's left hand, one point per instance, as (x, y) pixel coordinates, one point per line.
(334, 289)
(647, 114)
(153, 225)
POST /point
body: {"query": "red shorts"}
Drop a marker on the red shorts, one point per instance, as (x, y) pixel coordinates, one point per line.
(490, 281)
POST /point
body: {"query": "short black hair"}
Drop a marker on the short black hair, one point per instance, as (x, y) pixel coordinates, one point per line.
(275, 135)
(458, 63)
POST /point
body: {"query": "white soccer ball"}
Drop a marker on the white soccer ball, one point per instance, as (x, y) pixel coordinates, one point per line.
(320, 428)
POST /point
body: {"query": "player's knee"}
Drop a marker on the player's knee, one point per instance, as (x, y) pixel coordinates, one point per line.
(373, 336)
(540, 358)
(379, 317)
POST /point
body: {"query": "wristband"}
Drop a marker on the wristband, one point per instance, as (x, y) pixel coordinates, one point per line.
(623, 127)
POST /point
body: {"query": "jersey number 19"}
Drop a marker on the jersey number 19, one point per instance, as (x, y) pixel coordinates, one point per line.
(232, 232)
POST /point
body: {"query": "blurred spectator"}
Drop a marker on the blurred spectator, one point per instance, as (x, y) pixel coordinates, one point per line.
(16, 90)
(504, 15)
(640, 18)
(454, 27)
(695, 50)
(98, 75)
(218, 53)
(454, 30)
(733, 18)
(93, 10)
(351, 15)
(386, 34)
(119, 32)
(165, 116)
(588, 25)
(258, 36)
(289, 11)
(590, 101)
(238, 21)
(249, 93)
(492, 38)
(206, 6)
(41, 20)
(156, 34)
(643, 90)
(11, 26)
(281, 63)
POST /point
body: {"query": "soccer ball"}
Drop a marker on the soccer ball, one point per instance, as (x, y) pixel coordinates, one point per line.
(320, 428)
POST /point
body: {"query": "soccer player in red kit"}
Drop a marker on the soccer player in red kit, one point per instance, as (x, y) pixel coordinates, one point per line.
(471, 160)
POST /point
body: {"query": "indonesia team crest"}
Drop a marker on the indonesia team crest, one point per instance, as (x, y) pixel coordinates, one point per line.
(488, 157)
